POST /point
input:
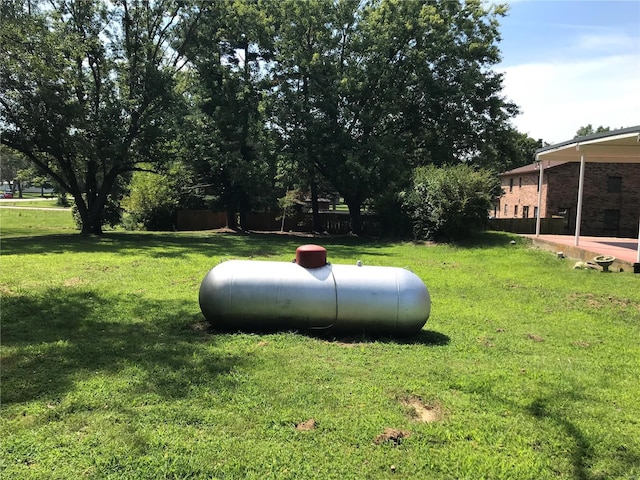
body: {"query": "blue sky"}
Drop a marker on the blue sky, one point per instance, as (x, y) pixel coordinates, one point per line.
(571, 63)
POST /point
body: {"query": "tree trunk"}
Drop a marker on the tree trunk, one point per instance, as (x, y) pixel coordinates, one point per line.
(93, 225)
(90, 218)
(244, 221)
(315, 214)
(232, 221)
(91, 211)
(354, 214)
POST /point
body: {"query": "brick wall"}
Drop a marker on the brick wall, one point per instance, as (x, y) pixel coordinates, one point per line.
(604, 213)
(523, 193)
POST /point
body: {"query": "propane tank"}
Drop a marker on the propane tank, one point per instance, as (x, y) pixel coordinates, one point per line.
(311, 294)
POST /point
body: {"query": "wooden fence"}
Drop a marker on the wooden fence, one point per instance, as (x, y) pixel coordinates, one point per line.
(335, 223)
(199, 220)
(548, 226)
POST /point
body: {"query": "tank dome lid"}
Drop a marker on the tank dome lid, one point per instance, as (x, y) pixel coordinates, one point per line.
(311, 256)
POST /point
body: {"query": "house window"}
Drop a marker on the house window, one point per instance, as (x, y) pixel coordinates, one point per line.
(535, 212)
(614, 185)
(612, 219)
(510, 185)
(525, 211)
(505, 209)
(515, 211)
(520, 182)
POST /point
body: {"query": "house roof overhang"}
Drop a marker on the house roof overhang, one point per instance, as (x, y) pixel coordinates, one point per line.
(618, 146)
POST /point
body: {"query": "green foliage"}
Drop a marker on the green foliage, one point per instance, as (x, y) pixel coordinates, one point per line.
(347, 93)
(292, 200)
(62, 200)
(508, 149)
(589, 130)
(151, 202)
(395, 221)
(368, 90)
(227, 139)
(88, 92)
(450, 203)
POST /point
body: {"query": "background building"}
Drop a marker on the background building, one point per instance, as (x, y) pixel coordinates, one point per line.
(611, 196)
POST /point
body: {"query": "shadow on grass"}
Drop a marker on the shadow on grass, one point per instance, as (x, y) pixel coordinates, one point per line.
(490, 240)
(423, 337)
(174, 245)
(53, 339)
(581, 454)
(561, 434)
(427, 338)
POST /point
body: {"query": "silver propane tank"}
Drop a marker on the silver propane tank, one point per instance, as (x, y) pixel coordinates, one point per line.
(311, 294)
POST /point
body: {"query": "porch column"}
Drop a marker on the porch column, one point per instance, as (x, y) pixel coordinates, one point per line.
(541, 167)
(579, 209)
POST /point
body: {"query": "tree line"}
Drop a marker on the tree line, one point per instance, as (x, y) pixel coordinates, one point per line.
(237, 104)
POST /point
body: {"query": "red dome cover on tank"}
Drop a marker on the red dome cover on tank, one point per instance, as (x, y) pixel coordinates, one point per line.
(311, 256)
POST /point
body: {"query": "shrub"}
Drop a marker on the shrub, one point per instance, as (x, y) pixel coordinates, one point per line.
(450, 203)
(394, 219)
(151, 201)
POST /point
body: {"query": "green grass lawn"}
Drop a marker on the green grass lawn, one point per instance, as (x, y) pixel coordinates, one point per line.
(24, 222)
(527, 369)
(31, 202)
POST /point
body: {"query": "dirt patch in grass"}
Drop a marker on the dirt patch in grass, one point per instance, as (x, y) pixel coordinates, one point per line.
(422, 411)
(602, 301)
(200, 326)
(486, 341)
(5, 290)
(264, 232)
(392, 435)
(73, 282)
(348, 344)
(535, 338)
(307, 425)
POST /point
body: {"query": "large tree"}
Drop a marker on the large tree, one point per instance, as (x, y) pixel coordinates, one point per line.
(228, 139)
(369, 90)
(87, 91)
(304, 89)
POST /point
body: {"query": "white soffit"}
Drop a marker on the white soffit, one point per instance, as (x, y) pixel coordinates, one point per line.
(615, 148)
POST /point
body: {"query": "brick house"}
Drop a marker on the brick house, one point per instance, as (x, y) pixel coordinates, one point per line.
(611, 196)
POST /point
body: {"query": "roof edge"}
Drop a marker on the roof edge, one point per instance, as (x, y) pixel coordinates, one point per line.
(532, 167)
(586, 138)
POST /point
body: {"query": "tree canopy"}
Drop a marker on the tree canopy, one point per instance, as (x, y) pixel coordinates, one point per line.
(88, 91)
(255, 98)
(589, 130)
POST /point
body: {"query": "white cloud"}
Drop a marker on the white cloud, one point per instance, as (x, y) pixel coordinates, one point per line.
(556, 98)
(603, 43)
